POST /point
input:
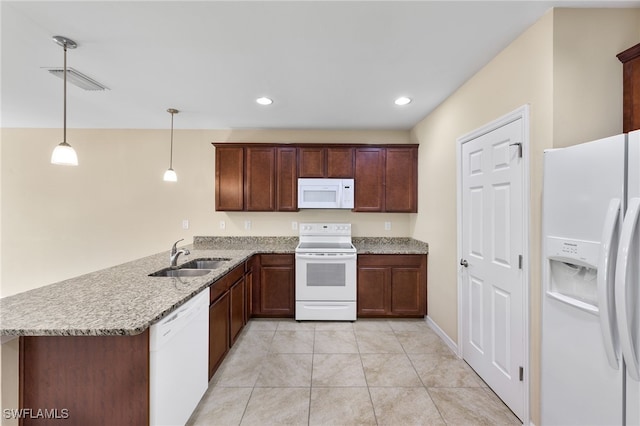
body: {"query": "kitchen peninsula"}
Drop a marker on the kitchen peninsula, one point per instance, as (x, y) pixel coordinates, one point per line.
(85, 341)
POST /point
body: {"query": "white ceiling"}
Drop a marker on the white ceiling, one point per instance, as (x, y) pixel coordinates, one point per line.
(327, 64)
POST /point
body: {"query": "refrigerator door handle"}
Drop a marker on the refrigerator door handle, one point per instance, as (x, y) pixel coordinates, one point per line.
(605, 282)
(622, 270)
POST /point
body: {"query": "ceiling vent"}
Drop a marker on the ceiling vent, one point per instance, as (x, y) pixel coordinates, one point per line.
(78, 79)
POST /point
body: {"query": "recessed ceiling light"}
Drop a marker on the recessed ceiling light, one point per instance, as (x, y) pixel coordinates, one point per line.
(402, 100)
(264, 101)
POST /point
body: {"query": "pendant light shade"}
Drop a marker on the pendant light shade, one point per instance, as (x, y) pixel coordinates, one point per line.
(170, 175)
(64, 154)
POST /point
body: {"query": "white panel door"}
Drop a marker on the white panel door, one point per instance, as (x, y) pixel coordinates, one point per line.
(492, 239)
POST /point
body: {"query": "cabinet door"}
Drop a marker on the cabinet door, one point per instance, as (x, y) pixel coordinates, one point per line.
(369, 180)
(340, 162)
(401, 180)
(229, 178)
(312, 162)
(276, 293)
(373, 291)
(406, 292)
(260, 190)
(287, 180)
(631, 88)
(218, 332)
(237, 309)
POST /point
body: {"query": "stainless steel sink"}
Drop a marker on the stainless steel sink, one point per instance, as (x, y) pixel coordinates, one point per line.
(205, 263)
(182, 272)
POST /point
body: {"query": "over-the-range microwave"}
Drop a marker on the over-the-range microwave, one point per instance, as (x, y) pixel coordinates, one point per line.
(325, 193)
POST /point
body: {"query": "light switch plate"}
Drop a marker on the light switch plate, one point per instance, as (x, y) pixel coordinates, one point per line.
(387, 226)
(185, 223)
(222, 224)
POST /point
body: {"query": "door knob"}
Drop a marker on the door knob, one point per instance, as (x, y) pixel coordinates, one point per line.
(464, 263)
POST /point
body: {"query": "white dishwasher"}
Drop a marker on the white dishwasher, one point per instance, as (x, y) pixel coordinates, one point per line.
(179, 357)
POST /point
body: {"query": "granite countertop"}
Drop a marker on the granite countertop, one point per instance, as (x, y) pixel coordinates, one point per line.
(124, 300)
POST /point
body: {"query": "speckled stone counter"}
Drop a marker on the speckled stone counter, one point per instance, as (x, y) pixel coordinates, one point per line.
(124, 300)
(385, 245)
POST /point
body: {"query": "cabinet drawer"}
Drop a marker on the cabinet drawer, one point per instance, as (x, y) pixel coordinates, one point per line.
(219, 287)
(276, 259)
(414, 260)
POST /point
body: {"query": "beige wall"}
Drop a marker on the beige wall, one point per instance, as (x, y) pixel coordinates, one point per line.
(564, 67)
(59, 222)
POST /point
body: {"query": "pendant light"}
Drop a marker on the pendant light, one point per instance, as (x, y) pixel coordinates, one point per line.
(170, 174)
(64, 154)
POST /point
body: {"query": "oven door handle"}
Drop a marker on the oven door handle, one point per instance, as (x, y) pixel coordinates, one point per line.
(326, 256)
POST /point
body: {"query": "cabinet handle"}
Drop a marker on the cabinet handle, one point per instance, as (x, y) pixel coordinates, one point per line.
(464, 263)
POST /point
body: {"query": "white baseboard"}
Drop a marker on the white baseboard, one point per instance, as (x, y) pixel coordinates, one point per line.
(435, 327)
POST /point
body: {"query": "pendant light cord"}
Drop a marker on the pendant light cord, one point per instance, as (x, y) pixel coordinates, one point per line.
(171, 153)
(64, 114)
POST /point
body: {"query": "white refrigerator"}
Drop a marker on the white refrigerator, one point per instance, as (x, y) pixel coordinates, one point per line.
(590, 284)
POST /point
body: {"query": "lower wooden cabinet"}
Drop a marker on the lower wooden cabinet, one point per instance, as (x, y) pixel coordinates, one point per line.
(218, 332)
(87, 380)
(226, 315)
(392, 285)
(236, 315)
(274, 286)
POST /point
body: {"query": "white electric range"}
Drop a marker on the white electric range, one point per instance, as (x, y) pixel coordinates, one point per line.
(325, 273)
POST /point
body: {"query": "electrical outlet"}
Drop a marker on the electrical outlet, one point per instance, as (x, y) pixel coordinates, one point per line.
(294, 225)
(185, 223)
(247, 224)
(387, 226)
(222, 224)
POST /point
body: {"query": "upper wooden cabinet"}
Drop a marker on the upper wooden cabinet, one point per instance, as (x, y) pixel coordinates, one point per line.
(369, 180)
(264, 177)
(325, 162)
(631, 88)
(260, 178)
(256, 177)
(229, 178)
(286, 179)
(386, 179)
(401, 180)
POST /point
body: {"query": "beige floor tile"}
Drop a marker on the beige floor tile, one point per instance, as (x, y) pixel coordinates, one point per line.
(341, 406)
(286, 370)
(404, 406)
(371, 325)
(471, 406)
(221, 406)
(239, 370)
(293, 325)
(378, 342)
(335, 342)
(254, 341)
(444, 371)
(278, 406)
(409, 325)
(292, 342)
(334, 325)
(262, 324)
(393, 370)
(414, 342)
(336, 370)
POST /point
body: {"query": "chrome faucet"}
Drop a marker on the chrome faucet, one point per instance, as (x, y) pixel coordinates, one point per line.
(173, 257)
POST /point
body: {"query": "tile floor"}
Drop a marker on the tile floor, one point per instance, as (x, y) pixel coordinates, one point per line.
(371, 372)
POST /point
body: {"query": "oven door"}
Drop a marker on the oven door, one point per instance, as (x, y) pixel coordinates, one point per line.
(326, 276)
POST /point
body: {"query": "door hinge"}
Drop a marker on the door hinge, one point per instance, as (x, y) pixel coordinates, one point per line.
(520, 260)
(519, 145)
(521, 374)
